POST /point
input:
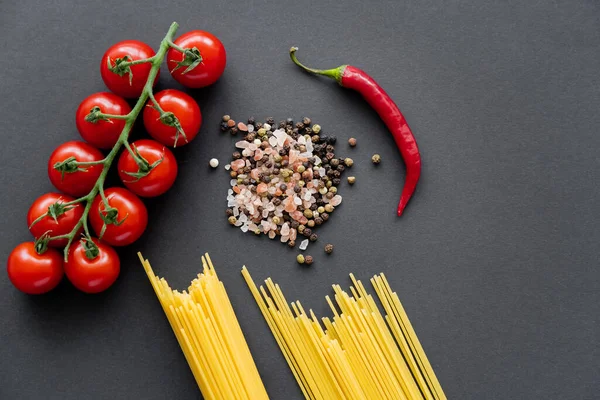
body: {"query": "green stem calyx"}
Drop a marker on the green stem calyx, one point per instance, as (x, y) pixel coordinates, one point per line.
(191, 59)
(333, 73)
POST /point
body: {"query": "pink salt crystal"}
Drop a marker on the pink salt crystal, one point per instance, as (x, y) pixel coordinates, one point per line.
(272, 235)
(289, 205)
(303, 220)
(254, 174)
(337, 199)
(258, 155)
(273, 141)
(297, 200)
(293, 156)
(261, 188)
(285, 229)
(284, 239)
(242, 144)
(296, 176)
(252, 147)
(237, 164)
(296, 215)
(242, 127)
(293, 234)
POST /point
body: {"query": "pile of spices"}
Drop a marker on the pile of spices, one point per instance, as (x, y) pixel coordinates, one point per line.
(285, 178)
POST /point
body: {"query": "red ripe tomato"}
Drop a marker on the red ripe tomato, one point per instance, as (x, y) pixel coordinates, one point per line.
(204, 73)
(121, 85)
(102, 133)
(34, 273)
(63, 224)
(96, 274)
(161, 177)
(183, 107)
(131, 220)
(78, 183)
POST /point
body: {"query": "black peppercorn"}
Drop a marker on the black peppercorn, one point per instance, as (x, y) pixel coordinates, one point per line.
(276, 171)
(336, 174)
(313, 237)
(308, 260)
(236, 155)
(250, 137)
(324, 216)
(306, 164)
(289, 121)
(276, 201)
(283, 187)
(266, 179)
(229, 212)
(328, 248)
(314, 207)
(224, 127)
(330, 173)
(307, 232)
(316, 174)
(295, 224)
(282, 152)
(246, 182)
(285, 163)
(324, 139)
(306, 121)
(341, 168)
(297, 189)
(320, 202)
(251, 120)
(258, 125)
(233, 131)
(330, 148)
(247, 169)
(299, 125)
(286, 217)
(269, 196)
(268, 164)
(318, 220)
(336, 181)
(270, 120)
(334, 162)
(332, 140)
(330, 156)
(260, 209)
(292, 243)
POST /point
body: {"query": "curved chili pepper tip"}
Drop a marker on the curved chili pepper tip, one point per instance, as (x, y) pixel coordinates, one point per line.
(334, 73)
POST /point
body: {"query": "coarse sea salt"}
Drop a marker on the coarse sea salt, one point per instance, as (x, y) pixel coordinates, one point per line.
(303, 245)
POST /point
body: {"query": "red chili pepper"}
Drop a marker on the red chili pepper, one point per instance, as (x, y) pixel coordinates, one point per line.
(353, 78)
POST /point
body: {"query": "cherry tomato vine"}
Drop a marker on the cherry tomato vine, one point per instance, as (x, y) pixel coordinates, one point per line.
(147, 168)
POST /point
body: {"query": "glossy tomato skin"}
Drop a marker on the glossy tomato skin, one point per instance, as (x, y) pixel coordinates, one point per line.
(77, 183)
(214, 59)
(185, 109)
(132, 212)
(119, 85)
(102, 134)
(64, 223)
(95, 275)
(34, 273)
(159, 180)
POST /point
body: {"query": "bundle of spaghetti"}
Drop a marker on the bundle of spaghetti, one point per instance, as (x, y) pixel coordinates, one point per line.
(209, 335)
(359, 353)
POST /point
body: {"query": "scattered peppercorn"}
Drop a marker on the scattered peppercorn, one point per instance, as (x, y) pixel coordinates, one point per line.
(376, 159)
(328, 248)
(223, 126)
(270, 120)
(233, 130)
(348, 162)
(324, 216)
(232, 220)
(300, 259)
(308, 260)
(351, 180)
(316, 128)
(226, 118)
(311, 223)
(292, 243)
(352, 142)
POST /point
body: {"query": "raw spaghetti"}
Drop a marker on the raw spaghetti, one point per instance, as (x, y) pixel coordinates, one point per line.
(210, 336)
(355, 355)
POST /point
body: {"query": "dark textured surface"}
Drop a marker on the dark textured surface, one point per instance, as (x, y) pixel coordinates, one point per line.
(496, 258)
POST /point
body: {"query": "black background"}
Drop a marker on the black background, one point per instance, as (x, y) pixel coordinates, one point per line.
(495, 259)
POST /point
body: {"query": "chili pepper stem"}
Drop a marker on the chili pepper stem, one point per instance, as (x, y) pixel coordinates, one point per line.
(334, 73)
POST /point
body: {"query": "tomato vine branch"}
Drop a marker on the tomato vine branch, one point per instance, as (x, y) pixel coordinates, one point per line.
(66, 165)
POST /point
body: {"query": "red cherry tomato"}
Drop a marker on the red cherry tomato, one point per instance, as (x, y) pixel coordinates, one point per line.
(183, 107)
(64, 223)
(161, 177)
(213, 62)
(121, 85)
(131, 220)
(102, 133)
(93, 275)
(34, 273)
(78, 183)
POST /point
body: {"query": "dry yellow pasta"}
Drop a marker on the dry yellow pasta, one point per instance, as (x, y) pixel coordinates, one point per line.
(357, 354)
(210, 336)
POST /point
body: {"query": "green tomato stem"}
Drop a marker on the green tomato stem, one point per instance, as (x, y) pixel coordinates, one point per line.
(130, 118)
